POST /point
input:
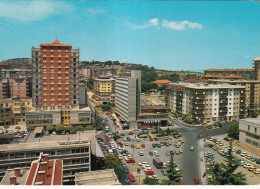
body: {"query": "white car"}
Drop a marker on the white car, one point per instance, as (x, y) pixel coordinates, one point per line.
(124, 139)
(141, 153)
(143, 163)
(243, 163)
(257, 171)
(120, 157)
(243, 154)
(155, 176)
(248, 165)
(126, 144)
(133, 139)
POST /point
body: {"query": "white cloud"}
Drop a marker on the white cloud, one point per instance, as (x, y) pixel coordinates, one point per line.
(181, 25)
(151, 23)
(28, 11)
(95, 11)
(154, 21)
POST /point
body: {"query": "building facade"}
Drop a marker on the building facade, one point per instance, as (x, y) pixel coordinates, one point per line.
(249, 131)
(207, 102)
(127, 97)
(55, 75)
(153, 116)
(12, 111)
(248, 74)
(75, 155)
(104, 89)
(55, 85)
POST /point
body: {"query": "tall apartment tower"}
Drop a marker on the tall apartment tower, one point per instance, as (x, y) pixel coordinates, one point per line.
(257, 68)
(55, 79)
(127, 97)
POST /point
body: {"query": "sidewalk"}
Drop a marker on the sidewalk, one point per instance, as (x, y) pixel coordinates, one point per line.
(246, 147)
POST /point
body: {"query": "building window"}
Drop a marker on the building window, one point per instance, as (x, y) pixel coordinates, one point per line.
(255, 129)
(248, 128)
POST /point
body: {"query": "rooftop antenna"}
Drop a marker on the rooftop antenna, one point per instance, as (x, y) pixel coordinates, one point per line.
(54, 28)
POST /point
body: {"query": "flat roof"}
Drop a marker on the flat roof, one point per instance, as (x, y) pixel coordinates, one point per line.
(154, 107)
(252, 120)
(205, 86)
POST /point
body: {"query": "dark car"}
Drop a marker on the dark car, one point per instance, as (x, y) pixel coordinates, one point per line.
(155, 138)
(128, 138)
(154, 145)
(158, 145)
(172, 152)
(238, 152)
(258, 162)
(126, 170)
(151, 153)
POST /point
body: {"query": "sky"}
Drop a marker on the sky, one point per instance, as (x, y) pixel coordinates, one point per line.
(171, 35)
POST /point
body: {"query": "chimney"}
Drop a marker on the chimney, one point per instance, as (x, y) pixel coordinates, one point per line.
(45, 157)
(17, 172)
(12, 180)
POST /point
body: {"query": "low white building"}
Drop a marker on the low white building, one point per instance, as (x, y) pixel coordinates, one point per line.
(249, 131)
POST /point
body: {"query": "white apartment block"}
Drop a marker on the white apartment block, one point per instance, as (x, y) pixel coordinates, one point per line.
(208, 102)
(127, 97)
(249, 131)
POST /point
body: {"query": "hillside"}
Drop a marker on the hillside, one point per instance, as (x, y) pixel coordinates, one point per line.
(16, 62)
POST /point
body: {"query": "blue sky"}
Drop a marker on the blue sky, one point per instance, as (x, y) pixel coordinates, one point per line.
(170, 35)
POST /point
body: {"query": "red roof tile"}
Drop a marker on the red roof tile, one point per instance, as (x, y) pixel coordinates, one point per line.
(164, 81)
(55, 43)
(58, 173)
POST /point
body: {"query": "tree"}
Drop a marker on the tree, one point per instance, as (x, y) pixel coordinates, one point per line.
(97, 122)
(116, 136)
(187, 118)
(59, 127)
(30, 127)
(233, 131)
(253, 114)
(77, 128)
(6, 127)
(50, 127)
(150, 181)
(90, 83)
(18, 128)
(105, 107)
(174, 175)
(89, 128)
(69, 128)
(112, 161)
(224, 174)
(120, 174)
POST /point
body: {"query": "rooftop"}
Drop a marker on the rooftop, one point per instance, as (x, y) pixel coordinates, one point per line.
(100, 177)
(205, 85)
(55, 43)
(229, 69)
(154, 107)
(164, 81)
(224, 76)
(252, 120)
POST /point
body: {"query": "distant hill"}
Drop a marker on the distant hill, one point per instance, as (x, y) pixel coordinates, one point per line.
(17, 62)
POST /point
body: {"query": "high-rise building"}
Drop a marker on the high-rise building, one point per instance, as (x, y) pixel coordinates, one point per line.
(207, 102)
(55, 75)
(104, 89)
(127, 97)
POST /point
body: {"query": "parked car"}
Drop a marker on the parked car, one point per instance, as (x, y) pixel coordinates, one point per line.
(141, 153)
(196, 181)
(99, 138)
(253, 159)
(243, 154)
(130, 133)
(151, 139)
(128, 138)
(154, 145)
(248, 165)
(167, 153)
(131, 160)
(252, 168)
(131, 178)
(181, 182)
(151, 153)
(164, 171)
(149, 173)
(238, 152)
(191, 148)
(108, 139)
(257, 171)
(132, 146)
(143, 145)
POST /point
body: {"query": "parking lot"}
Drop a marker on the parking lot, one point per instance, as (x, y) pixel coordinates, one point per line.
(251, 177)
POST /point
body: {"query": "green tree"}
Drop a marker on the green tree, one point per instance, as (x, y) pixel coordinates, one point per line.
(120, 175)
(253, 114)
(150, 181)
(233, 130)
(97, 122)
(112, 161)
(90, 83)
(50, 127)
(187, 118)
(77, 128)
(18, 128)
(30, 127)
(89, 128)
(116, 136)
(69, 128)
(223, 174)
(59, 127)
(6, 127)
(105, 107)
(174, 175)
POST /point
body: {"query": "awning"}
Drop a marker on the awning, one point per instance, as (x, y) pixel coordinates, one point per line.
(121, 119)
(38, 130)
